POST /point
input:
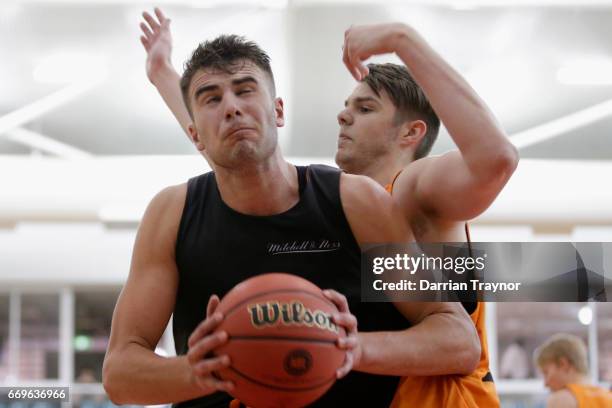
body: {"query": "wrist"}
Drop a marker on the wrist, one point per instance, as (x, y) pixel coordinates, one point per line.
(196, 386)
(362, 359)
(162, 72)
(402, 33)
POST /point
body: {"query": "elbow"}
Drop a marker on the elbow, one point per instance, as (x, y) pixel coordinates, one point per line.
(506, 161)
(469, 353)
(110, 381)
(471, 358)
(510, 159)
(498, 167)
(467, 347)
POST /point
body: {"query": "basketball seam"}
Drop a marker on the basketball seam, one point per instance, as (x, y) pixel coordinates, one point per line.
(283, 338)
(279, 388)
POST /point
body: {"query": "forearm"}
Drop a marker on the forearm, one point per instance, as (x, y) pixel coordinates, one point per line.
(438, 345)
(136, 375)
(167, 81)
(470, 123)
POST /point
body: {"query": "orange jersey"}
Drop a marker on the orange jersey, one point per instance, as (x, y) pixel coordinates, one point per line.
(475, 390)
(590, 396)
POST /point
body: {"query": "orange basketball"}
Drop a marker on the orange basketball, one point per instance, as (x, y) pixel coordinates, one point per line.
(282, 341)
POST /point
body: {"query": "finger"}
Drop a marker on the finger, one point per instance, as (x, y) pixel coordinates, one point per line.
(210, 383)
(209, 365)
(154, 25)
(201, 348)
(346, 367)
(356, 64)
(347, 343)
(204, 328)
(146, 31)
(338, 299)
(363, 69)
(145, 43)
(213, 302)
(348, 51)
(160, 16)
(346, 320)
(346, 61)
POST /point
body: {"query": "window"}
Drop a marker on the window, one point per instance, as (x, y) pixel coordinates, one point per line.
(93, 315)
(604, 340)
(4, 336)
(39, 337)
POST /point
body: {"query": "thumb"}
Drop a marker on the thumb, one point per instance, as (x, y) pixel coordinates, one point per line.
(213, 302)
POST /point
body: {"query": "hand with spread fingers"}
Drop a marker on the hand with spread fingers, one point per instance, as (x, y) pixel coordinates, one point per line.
(351, 342)
(202, 342)
(157, 42)
(362, 42)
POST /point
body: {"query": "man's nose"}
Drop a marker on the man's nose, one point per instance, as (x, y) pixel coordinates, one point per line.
(344, 119)
(231, 107)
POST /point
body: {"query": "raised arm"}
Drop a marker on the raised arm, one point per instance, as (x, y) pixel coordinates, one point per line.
(442, 339)
(472, 176)
(132, 372)
(157, 42)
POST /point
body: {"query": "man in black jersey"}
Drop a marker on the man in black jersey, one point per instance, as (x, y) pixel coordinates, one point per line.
(197, 239)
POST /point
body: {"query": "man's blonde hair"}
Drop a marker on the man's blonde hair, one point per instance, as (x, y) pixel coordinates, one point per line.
(566, 346)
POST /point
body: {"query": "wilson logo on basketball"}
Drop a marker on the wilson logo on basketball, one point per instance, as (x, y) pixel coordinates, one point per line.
(294, 313)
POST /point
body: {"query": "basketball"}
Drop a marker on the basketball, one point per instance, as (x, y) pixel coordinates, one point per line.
(281, 341)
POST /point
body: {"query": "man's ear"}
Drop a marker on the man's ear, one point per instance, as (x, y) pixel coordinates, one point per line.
(564, 364)
(412, 132)
(195, 138)
(279, 110)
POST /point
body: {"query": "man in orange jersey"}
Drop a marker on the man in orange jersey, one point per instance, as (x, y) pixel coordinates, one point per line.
(563, 362)
(386, 129)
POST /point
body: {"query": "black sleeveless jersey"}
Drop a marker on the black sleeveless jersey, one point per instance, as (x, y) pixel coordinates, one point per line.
(218, 247)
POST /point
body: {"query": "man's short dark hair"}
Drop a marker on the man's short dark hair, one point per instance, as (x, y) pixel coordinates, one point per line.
(408, 98)
(223, 54)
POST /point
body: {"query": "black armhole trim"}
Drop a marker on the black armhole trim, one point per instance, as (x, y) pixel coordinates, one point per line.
(470, 307)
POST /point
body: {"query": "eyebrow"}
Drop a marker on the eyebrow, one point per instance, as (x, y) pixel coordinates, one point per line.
(360, 99)
(235, 82)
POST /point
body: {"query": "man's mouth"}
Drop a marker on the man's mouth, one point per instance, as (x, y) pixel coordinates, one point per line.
(233, 131)
(344, 136)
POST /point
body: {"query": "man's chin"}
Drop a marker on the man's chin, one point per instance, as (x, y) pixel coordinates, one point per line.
(343, 162)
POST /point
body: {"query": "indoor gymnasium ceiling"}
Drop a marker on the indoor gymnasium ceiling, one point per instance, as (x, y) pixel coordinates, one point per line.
(535, 64)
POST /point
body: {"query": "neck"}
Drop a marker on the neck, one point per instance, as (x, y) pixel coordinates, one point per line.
(383, 170)
(266, 188)
(576, 378)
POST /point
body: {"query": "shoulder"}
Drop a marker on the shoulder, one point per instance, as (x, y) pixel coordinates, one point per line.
(164, 212)
(410, 177)
(370, 211)
(363, 192)
(562, 399)
(170, 199)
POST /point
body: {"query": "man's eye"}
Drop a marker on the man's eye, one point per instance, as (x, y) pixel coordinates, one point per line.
(364, 109)
(213, 99)
(244, 91)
